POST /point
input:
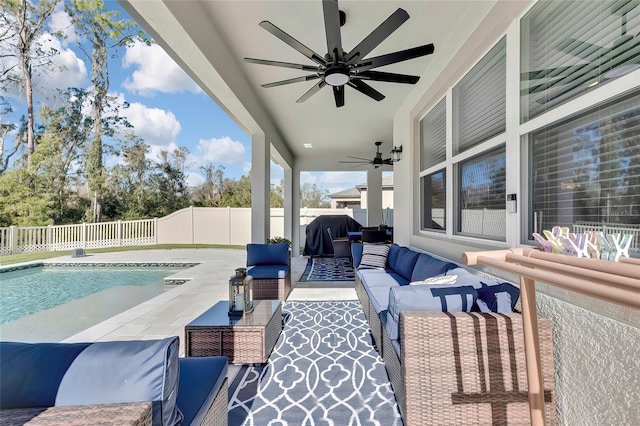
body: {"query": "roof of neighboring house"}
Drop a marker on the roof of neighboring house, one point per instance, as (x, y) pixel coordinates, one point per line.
(387, 183)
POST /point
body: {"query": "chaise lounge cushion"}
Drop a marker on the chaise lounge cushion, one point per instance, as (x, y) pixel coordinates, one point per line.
(200, 381)
(268, 254)
(428, 266)
(436, 297)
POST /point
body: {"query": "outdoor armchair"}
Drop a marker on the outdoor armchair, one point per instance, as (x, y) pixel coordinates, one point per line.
(270, 267)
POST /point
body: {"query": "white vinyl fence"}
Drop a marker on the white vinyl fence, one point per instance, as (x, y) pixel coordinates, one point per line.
(193, 225)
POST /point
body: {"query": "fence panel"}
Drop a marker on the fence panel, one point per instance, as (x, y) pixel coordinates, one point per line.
(65, 237)
(5, 240)
(33, 239)
(137, 232)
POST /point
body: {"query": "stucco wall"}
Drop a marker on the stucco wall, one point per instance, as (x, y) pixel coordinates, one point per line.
(597, 358)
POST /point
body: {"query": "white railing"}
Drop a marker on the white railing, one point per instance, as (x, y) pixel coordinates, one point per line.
(21, 239)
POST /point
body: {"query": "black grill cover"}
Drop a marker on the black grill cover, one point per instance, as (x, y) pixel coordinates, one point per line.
(318, 242)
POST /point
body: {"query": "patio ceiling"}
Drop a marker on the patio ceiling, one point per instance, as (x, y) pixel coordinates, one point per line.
(211, 38)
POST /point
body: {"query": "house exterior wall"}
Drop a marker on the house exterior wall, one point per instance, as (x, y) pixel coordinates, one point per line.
(597, 382)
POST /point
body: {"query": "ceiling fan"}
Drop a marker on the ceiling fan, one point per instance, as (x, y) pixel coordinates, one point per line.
(340, 68)
(377, 161)
(605, 63)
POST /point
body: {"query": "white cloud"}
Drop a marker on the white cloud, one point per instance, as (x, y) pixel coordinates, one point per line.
(276, 173)
(333, 181)
(156, 126)
(155, 71)
(220, 150)
(61, 22)
(194, 178)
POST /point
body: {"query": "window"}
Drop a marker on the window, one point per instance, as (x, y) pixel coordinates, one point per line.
(482, 205)
(587, 168)
(434, 195)
(569, 48)
(433, 133)
(479, 101)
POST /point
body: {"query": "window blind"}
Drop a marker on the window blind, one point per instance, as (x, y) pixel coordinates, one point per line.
(571, 47)
(433, 134)
(587, 168)
(434, 195)
(479, 100)
(482, 204)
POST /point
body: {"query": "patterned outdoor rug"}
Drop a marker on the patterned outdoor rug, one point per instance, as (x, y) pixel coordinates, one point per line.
(328, 269)
(323, 371)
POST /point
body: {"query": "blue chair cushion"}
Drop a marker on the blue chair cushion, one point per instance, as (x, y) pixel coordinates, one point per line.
(200, 381)
(30, 373)
(262, 272)
(428, 266)
(437, 297)
(268, 254)
(405, 262)
(130, 371)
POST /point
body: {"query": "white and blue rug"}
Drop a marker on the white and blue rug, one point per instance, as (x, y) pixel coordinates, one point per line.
(323, 371)
(328, 269)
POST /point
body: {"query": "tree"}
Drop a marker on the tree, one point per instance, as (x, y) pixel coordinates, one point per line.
(313, 197)
(169, 183)
(23, 23)
(277, 196)
(104, 33)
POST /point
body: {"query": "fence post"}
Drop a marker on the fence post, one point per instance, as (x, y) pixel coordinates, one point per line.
(13, 239)
(49, 238)
(155, 230)
(119, 231)
(84, 235)
(229, 225)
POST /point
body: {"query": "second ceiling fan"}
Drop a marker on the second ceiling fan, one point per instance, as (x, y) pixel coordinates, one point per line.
(339, 68)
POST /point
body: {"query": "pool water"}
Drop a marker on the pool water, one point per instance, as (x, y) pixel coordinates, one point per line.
(26, 292)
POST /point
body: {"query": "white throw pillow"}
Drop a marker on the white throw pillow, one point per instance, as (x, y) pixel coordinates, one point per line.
(446, 279)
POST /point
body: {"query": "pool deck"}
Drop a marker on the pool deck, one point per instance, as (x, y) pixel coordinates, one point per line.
(167, 314)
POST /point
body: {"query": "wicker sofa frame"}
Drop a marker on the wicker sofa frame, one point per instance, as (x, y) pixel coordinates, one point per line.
(461, 368)
(272, 288)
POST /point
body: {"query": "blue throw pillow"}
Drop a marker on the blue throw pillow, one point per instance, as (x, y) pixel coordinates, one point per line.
(428, 266)
(406, 261)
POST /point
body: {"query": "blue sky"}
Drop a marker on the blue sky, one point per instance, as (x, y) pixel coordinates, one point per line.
(167, 109)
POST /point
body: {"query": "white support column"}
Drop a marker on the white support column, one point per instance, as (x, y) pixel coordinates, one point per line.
(297, 239)
(289, 211)
(374, 197)
(260, 188)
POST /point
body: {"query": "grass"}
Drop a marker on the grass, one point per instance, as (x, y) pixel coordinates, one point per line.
(41, 255)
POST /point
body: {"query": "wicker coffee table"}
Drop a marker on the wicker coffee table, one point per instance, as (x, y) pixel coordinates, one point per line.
(244, 340)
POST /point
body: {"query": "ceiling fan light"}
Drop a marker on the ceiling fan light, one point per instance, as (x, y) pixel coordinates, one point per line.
(336, 77)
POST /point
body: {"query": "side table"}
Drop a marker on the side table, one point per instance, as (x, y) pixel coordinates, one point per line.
(248, 339)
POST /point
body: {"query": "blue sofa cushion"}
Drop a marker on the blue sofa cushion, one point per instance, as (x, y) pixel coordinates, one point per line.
(428, 266)
(437, 297)
(399, 278)
(356, 253)
(200, 381)
(392, 259)
(262, 272)
(268, 254)
(30, 373)
(405, 262)
(379, 297)
(499, 297)
(377, 278)
(130, 371)
(374, 256)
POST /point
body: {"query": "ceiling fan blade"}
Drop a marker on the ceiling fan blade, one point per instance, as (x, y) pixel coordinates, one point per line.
(314, 89)
(355, 162)
(582, 49)
(291, 80)
(332, 27)
(377, 36)
(281, 64)
(293, 43)
(338, 94)
(387, 76)
(358, 158)
(392, 58)
(363, 87)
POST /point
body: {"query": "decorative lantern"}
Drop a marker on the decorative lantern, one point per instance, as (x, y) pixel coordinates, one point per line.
(240, 293)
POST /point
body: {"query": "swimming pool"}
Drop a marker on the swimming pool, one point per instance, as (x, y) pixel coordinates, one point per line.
(27, 292)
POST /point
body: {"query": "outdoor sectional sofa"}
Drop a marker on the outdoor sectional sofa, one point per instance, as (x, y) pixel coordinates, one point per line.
(454, 352)
(270, 267)
(130, 382)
